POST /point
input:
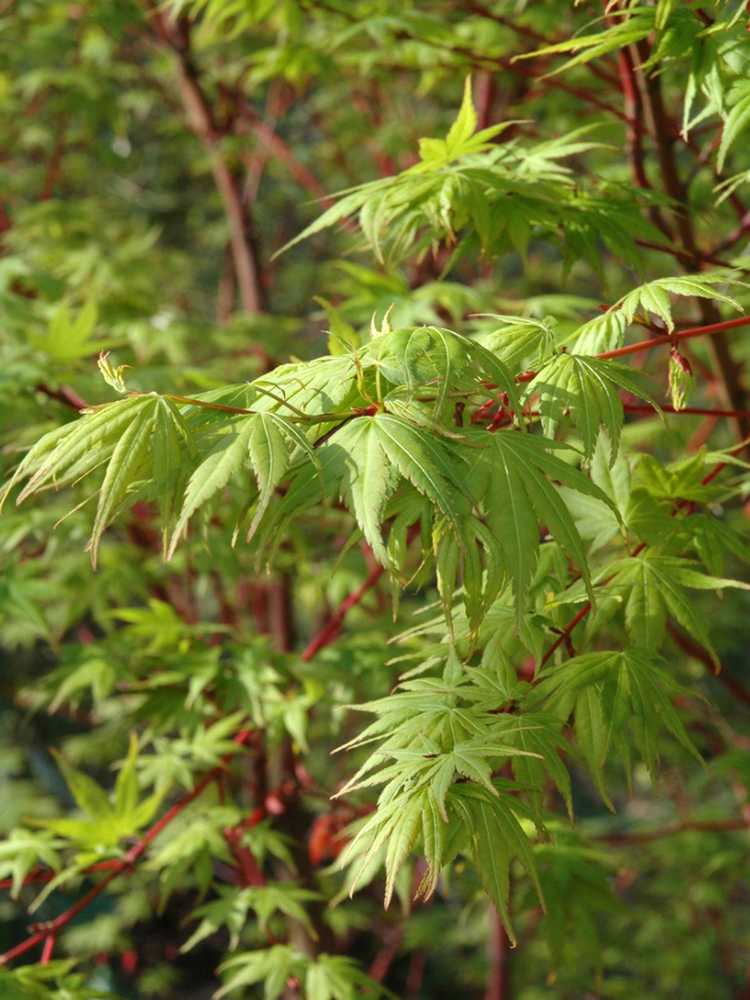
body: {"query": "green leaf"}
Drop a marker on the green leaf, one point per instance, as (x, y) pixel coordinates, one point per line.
(125, 467)
(589, 388)
(465, 124)
(425, 461)
(655, 586)
(269, 456)
(229, 456)
(21, 851)
(368, 480)
(610, 693)
(735, 122)
(520, 499)
(497, 837)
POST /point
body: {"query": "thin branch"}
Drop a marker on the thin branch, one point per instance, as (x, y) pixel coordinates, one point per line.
(499, 957)
(633, 105)
(743, 229)
(48, 948)
(281, 151)
(686, 826)
(386, 956)
(565, 634)
(64, 394)
(50, 929)
(690, 256)
(332, 627)
(176, 36)
(693, 648)
(709, 330)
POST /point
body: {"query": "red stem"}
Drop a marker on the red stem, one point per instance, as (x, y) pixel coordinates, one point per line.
(48, 949)
(332, 627)
(665, 338)
(64, 395)
(566, 632)
(668, 338)
(499, 957)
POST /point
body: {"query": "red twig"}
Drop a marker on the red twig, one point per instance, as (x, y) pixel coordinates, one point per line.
(697, 826)
(636, 131)
(693, 648)
(668, 338)
(65, 395)
(332, 627)
(47, 950)
(566, 632)
(202, 121)
(499, 955)
(248, 866)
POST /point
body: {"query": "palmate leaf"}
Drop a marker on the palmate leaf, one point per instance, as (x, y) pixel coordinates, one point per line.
(433, 362)
(71, 451)
(595, 521)
(461, 140)
(325, 977)
(496, 838)
(270, 966)
(517, 340)
(481, 819)
(538, 734)
(338, 977)
(142, 440)
(117, 434)
(606, 332)
(369, 480)
(230, 17)
(263, 442)
(577, 883)
(430, 742)
(425, 461)
(608, 693)
(323, 385)
(495, 196)
(364, 462)
(519, 499)
(170, 444)
(588, 388)
(233, 906)
(653, 586)
(55, 980)
(22, 850)
(126, 466)
(654, 296)
(107, 818)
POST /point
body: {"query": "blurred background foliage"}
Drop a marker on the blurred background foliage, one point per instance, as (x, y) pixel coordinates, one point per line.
(153, 158)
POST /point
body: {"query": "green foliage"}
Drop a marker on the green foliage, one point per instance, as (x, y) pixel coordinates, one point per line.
(238, 468)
